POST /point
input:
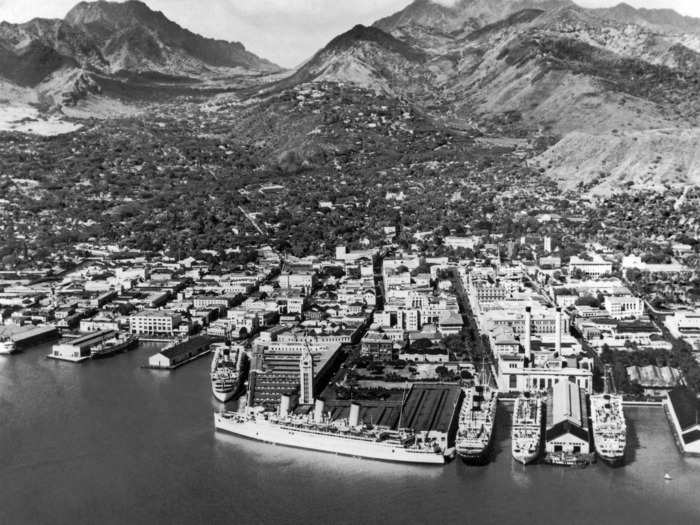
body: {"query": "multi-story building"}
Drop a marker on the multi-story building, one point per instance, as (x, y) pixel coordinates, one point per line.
(591, 266)
(624, 306)
(154, 322)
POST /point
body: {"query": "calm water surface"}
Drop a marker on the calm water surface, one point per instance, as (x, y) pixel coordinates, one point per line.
(109, 442)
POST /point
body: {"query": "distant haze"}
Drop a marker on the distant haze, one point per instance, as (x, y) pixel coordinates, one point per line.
(284, 31)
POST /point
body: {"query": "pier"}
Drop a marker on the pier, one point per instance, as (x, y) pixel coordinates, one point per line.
(179, 354)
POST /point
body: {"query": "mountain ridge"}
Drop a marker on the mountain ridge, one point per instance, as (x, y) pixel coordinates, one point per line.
(109, 38)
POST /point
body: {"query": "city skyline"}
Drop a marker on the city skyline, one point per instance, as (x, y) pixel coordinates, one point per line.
(287, 33)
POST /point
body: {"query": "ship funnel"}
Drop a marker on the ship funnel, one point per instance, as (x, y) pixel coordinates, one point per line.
(557, 334)
(354, 419)
(285, 403)
(527, 343)
(318, 410)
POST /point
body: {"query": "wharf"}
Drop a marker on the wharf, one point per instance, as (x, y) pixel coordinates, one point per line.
(179, 354)
(69, 359)
(178, 365)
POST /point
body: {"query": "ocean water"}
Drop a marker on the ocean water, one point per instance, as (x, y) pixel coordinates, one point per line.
(108, 442)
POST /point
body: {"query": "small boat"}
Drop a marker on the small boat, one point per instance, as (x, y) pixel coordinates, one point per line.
(667, 477)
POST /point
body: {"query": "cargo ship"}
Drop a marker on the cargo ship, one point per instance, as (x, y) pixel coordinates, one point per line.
(113, 346)
(317, 432)
(526, 436)
(476, 421)
(228, 367)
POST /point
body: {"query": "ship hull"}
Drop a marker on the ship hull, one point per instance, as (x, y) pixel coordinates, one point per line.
(7, 348)
(274, 434)
(476, 457)
(526, 458)
(116, 349)
(225, 395)
(612, 460)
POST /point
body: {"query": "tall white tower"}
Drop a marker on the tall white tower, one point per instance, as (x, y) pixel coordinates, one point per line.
(306, 377)
(548, 244)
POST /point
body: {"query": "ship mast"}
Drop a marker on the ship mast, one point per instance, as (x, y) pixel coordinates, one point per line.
(403, 401)
(609, 380)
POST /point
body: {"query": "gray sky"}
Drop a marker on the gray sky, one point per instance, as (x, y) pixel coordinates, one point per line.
(284, 31)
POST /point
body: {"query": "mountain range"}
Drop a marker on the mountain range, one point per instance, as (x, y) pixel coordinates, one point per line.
(98, 39)
(605, 84)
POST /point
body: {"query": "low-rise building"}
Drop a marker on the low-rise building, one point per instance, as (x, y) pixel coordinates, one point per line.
(567, 421)
(657, 381)
(683, 410)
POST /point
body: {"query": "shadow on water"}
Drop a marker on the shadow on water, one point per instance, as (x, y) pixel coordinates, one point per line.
(633, 443)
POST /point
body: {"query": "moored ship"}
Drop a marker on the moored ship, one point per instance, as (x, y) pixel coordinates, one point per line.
(608, 422)
(317, 432)
(227, 370)
(113, 346)
(476, 421)
(526, 437)
(7, 346)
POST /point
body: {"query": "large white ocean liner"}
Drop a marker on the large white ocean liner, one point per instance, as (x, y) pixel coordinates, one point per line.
(317, 432)
(526, 435)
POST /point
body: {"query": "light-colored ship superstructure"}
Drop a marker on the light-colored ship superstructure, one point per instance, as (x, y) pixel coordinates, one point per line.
(227, 368)
(526, 435)
(476, 421)
(608, 422)
(317, 432)
(609, 427)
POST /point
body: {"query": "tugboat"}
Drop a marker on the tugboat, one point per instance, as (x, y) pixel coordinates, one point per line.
(476, 420)
(228, 367)
(526, 435)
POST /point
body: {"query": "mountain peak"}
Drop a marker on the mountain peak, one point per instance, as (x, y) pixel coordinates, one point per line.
(361, 33)
(448, 17)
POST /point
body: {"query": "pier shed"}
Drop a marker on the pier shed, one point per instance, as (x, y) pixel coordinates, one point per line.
(175, 355)
(567, 421)
(77, 350)
(683, 410)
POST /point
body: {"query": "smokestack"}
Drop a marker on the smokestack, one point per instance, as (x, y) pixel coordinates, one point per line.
(354, 419)
(285, 402)
(318, 410)
(557, 335)
(528, 335)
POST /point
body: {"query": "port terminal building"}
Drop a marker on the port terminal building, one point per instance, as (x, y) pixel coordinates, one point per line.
(79, 349)
(276, 370)
(178, 354)
(430, 410)
(567, 431)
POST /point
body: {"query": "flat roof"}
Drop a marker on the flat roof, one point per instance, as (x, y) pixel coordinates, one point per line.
(686, 406)
(193, 344)
(430, 407)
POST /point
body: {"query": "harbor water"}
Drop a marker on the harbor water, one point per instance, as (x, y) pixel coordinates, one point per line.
(109, 442)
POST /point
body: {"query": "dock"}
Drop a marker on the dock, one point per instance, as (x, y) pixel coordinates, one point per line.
(78, 350)
(36, 335)
(178, 354)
